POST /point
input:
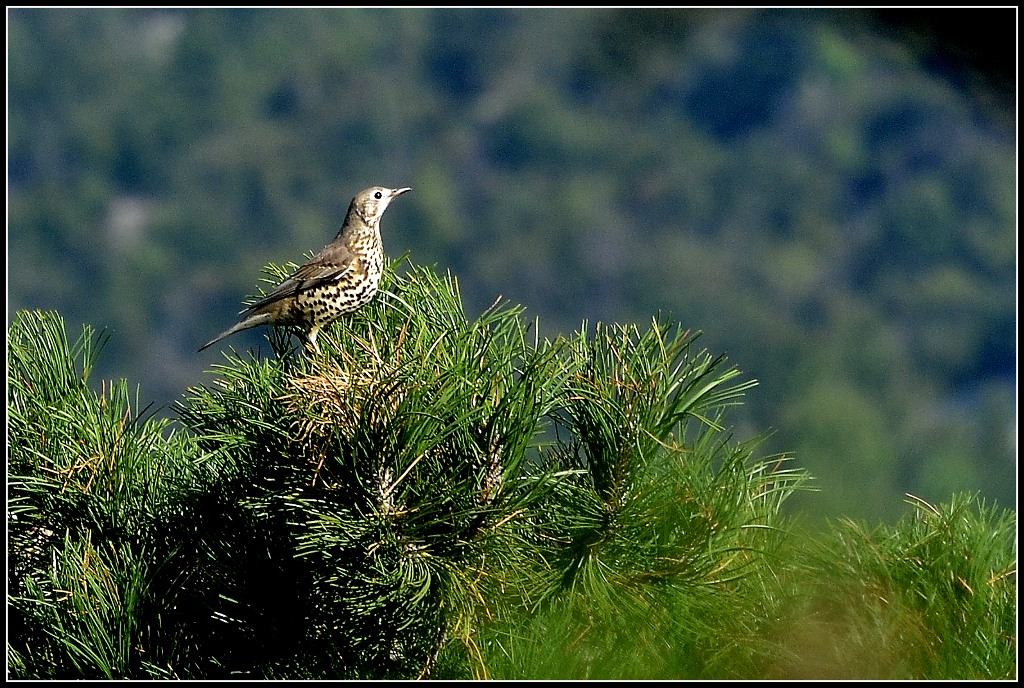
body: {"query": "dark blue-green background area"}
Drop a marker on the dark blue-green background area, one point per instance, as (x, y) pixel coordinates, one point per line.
(828, 195)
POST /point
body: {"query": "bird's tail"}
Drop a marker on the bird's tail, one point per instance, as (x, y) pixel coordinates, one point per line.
(254, 320)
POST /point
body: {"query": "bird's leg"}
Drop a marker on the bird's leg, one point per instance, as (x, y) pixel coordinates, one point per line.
(311, 338)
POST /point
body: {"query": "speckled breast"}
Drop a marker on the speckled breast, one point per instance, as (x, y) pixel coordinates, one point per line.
(330, 301)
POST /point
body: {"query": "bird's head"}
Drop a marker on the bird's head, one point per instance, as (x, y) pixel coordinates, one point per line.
(371, 203)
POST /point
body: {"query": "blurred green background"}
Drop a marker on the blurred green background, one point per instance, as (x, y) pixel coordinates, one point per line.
(830, 196)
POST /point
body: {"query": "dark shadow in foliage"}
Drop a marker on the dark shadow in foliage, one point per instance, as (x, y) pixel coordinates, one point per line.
(233, 584)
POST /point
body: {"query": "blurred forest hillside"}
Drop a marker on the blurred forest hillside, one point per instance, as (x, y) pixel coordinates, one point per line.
(829, 196)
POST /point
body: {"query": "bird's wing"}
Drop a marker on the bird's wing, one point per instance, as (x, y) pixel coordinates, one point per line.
(329, 266)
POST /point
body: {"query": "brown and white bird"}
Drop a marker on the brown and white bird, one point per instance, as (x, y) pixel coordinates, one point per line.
(338, 280)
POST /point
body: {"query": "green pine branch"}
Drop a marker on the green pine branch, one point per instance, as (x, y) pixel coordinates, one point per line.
(435, 496)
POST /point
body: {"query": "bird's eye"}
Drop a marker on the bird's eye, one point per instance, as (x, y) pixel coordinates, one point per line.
(378, 195)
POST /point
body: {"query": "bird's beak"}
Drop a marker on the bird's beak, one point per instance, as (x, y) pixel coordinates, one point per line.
(399, 192)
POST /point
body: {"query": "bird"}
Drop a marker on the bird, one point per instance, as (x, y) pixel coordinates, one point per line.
(344, 276)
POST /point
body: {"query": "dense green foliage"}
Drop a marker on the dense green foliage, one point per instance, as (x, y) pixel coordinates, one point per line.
(438, 496)
(831, 210)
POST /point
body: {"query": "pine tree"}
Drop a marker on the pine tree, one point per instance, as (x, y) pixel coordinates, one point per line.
(433, 496)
